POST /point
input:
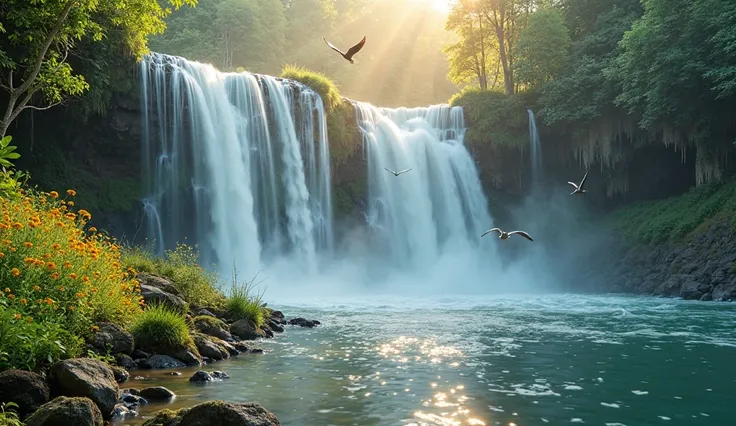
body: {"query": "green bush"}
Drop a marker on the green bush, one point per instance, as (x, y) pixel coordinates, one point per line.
(28, 344)
(181, 265)
(9, 414)
(677, 218)
(243, 304)
(493, 117)
(160, 327)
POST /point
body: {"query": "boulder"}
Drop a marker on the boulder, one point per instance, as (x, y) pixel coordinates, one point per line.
(157, 393)
(208, 348)
(28, 390)
(707, 297)
(121, 374)
(219, 375)
(278, 317)
(121, 411)
(89, 378)
(159, 282)
(241, 346)
(153, 295)
(692, 290)
(216, 413)
(188, 355)
(201, 376)
(246, 330)
(163, 361)
(303, 322)
(113, 339)
(202, 312)
(266, 329)
(228, 347)
(275, 326)
(725, 292)
(125, 361)
(212, 327)
(64, 411)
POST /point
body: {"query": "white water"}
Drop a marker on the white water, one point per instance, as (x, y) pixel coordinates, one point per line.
(535, 149)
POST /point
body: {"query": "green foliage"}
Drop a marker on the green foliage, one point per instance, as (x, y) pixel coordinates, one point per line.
(29, 344)
(673, 219)
(317, 81)
(6, 152)
(40, 35)
(159, 327)
(10, 180)
(107, 358)
(181, 265)
(243, 303)
(542, 48)
(493, 117)
(9, 414)
(211, 321)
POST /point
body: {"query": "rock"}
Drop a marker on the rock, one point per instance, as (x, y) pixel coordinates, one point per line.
(204, 312)
(693, 290)
(157, 393)
(725, 292)
(706, 297)
(158, 282)
(302, 322)
(228, 347)
(64, 411)
(125, 361)
(201, 376)
(86, 378)
(142, 363)
(121, 412)
(241, 346)
(121, 374)
(163, 361)
(187, 355)
(138, 354)
(208, 348)
(266, 329)
(152, 295)
(256, 351)
(216, 413)
(279, 316)
(275, 326)
(28, 390)
(112, 338)
(130, 391)
(212, 327)
(219, 375)
(246, 330)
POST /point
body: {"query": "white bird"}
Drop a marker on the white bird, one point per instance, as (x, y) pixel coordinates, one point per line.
(397, 173)
(579, 188)
(505, 235)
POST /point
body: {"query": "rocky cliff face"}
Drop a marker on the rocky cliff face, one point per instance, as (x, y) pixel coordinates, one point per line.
(703, 268)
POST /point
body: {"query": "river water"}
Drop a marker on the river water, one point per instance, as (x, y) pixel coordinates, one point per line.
(521, 360)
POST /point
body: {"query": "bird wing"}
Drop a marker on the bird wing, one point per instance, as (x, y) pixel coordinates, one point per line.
(584, 177)
(332, 46)
(404, 171)
(574, 184)
(491, 230)
(522, 233)
(355, 49)
(389, 170)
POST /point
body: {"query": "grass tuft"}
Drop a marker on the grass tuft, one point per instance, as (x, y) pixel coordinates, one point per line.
(244, 303)
(320, 83)
(160, 328)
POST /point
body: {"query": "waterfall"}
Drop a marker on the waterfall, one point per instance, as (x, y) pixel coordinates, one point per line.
(439, 205)
(535, 149)
(223, 166)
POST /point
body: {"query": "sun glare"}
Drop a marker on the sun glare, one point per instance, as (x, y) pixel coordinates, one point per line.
(443, 6)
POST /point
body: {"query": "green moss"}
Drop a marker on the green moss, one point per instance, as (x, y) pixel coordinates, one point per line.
(345, 195)
(679, 218)
(493, 118)
(211, 321)
(164, 417)
(342, 130)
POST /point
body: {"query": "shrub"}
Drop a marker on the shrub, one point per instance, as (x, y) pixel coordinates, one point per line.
(317, 81)
(160, 327)
(493, 117)
(58, 273)
(243, 304)
(9, 414)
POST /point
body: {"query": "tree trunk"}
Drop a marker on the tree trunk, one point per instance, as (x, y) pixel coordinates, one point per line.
(484, 74)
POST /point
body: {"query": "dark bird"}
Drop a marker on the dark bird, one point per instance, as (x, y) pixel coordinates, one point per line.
(505, 235)
(579, 188)
(350, 53)
(397, 173)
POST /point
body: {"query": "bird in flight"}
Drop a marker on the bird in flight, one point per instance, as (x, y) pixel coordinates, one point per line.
(350, 53)
(505, 235)
(579, 188)
(397, 173)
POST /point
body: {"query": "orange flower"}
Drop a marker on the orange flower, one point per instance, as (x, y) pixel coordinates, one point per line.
(73, 276)
(54, 194)
(71, 192)
(11, 296)
(17, 225)
(55, 246)
(71, 308)
(67, 264)
(7, 290)
(15, 272)
(55, 276)
(2, 255)
(36, 288)
(85, 214)
(49, 301)
(28, 244)
(51, 265)
(60, 224)
(17, 316)
(70, 216)
(85, 279)
(92, 229)
(95, 328)
(23, 301)
(80, 295)
(71, 203)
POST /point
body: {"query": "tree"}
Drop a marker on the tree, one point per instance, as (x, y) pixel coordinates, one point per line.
(42, 34)
(470, 56)
(542, 48)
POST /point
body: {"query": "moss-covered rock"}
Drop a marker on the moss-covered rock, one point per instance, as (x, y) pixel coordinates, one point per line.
(85, 377)
(64, 411)
(216, 413)
(28, 390)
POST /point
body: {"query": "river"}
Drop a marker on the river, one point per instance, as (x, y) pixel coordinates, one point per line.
(516, 360)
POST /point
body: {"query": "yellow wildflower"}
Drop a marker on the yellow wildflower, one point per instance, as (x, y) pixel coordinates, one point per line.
(54, 194)
(71, 192)
(15, 272)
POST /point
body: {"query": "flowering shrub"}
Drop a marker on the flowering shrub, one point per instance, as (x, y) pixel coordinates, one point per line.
(56, 269)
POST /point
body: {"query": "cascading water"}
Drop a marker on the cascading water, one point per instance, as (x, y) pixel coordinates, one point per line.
(223, 164)
(438, 206)
(535, 149)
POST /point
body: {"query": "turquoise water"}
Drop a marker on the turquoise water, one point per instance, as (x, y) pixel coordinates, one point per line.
(600, 360)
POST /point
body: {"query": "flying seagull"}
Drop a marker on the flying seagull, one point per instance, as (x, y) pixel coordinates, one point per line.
(579, 188)
(397, 173)
(351, 52)
(505, 235)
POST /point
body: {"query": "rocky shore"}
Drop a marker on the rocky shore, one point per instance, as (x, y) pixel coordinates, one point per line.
(86, 391)
(703, 267)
